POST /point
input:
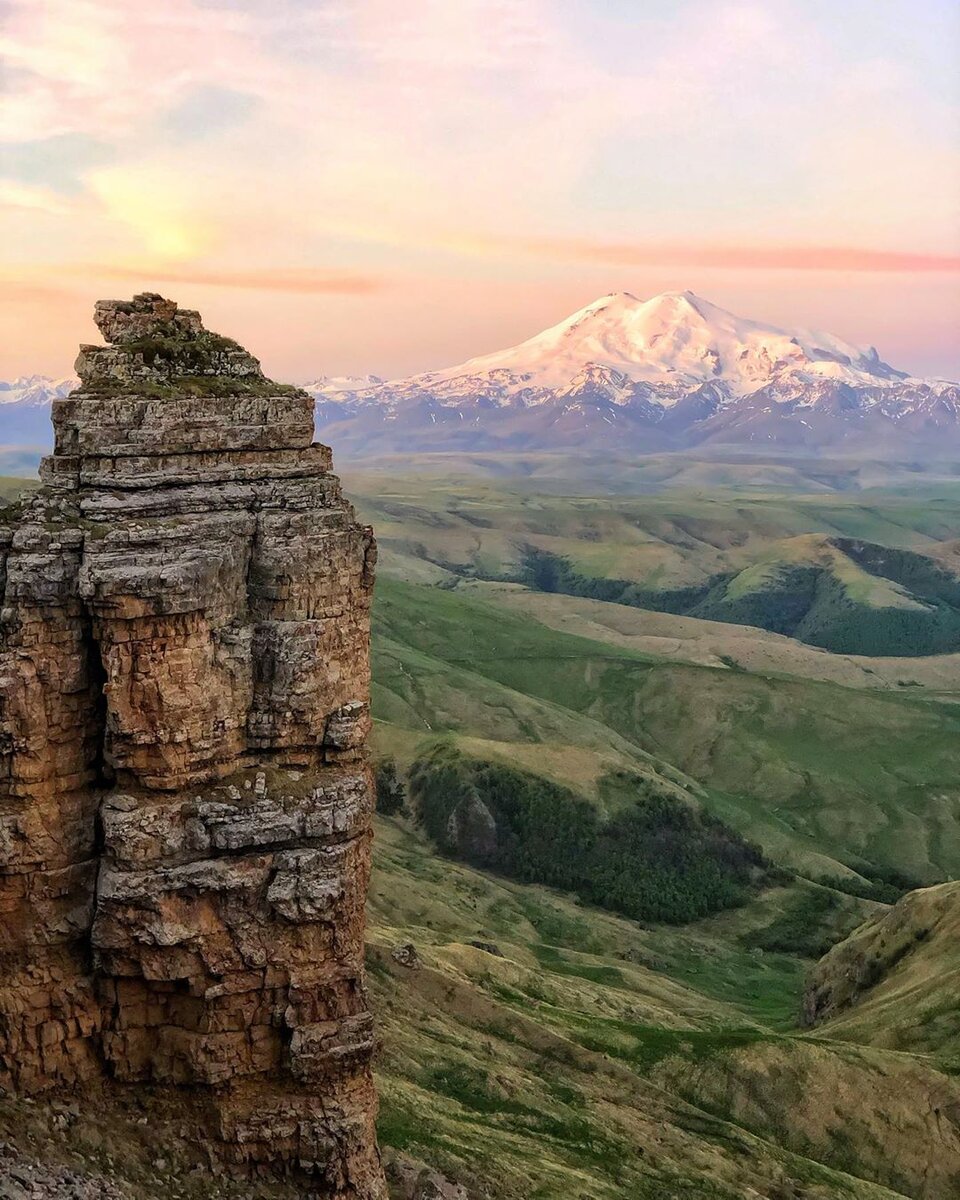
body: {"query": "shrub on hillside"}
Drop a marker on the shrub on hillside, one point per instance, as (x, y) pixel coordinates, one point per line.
(391, 795)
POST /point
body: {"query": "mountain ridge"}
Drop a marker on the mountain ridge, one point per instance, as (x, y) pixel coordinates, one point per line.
(665, 373)
(675, 337)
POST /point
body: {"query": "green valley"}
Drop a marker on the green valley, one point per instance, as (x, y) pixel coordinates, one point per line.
(561, 1044)
(770, 754)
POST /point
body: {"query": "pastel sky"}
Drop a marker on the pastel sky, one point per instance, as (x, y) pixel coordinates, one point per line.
(391, 185)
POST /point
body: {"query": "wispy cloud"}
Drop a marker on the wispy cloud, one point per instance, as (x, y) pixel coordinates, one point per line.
(104, 67)
(29, 198)
(749, 258)
(305, 280)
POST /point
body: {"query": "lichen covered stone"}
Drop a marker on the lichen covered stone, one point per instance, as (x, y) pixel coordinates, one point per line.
(153, 344)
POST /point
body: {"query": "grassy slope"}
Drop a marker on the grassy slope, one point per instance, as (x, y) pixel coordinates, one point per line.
(583, 474)
(668, 539)
(820, 770)
(775, 753)
(844, 595)
(11, 486)
(716, 644)
(589, 1059)
(749, 557)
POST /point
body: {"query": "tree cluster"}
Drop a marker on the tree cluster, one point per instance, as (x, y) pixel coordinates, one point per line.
(654, 857)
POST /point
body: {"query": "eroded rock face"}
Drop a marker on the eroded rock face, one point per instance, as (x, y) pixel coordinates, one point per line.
(472, 829)
(184, 795)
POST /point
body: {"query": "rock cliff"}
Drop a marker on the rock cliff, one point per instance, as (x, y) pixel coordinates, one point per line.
(184, 795)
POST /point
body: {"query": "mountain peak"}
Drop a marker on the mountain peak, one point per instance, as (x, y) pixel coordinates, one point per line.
(673, 342)
(688, 296)
(626, 302)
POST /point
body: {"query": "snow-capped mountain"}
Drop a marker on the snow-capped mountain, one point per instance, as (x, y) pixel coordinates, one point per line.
(674, 370)
(341, 385)
(25, 431)
(35, 391)
(671, 343)
(622, 374)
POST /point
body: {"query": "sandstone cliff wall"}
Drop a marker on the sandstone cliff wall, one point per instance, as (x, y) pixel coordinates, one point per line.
(184, 795)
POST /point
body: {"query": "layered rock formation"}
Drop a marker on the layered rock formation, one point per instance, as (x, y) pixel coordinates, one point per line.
(184, 797)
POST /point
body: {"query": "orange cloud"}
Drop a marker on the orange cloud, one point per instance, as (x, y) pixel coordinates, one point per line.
(25, 291)
(292, 279)
(761, 258)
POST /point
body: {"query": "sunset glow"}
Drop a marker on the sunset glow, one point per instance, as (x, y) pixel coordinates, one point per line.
(355, 185)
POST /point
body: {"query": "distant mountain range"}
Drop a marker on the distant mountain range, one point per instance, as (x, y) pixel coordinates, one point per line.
(624, 374)
(25, 431)
(633, 375)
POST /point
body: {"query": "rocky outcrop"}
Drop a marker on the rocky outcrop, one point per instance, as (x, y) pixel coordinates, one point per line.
(415, 1181)
(472, 829)
(892, 982)
(184, 794)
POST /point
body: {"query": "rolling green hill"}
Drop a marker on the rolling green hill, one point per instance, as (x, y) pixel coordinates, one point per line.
(770, 755)
(675, 1061)
(666, 539)
(646, 850)
(843, 595)
(545, 1049)
(853, 574)
(847, 596)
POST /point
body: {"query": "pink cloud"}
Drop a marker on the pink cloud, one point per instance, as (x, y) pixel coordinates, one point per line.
(760, 258)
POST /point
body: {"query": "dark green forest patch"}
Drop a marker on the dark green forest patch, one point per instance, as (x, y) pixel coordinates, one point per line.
(656, 857)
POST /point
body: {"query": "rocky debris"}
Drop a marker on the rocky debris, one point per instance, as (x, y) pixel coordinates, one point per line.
(414, 1181)
(185, 799)
(472, 829)
(23, 1179)
(487, 948)
(431, 1185)
(406, 955)
(389, 789)
(642, 958)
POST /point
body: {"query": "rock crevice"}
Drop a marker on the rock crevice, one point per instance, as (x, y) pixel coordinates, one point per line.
(184, 793)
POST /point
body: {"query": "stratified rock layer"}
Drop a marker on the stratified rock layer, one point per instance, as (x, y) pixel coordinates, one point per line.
(184, 796)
